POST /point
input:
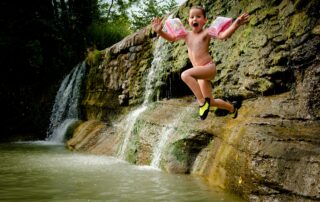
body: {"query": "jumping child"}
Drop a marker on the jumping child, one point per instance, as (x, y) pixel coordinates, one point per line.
(204, 69)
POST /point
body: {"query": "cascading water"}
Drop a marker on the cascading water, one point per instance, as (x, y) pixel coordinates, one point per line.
(165, 133)
(129, 123)
(65, 110)
(159, 55)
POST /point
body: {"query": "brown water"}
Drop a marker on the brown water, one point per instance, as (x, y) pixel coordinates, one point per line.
(38, 171)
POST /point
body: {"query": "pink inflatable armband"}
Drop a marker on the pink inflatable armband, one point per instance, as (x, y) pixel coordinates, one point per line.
(175, 28)
(218, 25)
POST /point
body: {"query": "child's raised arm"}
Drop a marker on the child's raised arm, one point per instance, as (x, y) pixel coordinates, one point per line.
(157, 27)
(242, 19)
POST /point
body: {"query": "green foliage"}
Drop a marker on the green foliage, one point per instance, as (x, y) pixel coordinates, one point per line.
(115, 10)
(148, 10)
(105, 34)
(93, 57)
(112, 24)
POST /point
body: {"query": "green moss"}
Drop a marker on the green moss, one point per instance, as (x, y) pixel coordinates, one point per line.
(133, 145)
(255, 6)
(267, 13)
(264, 85)
(277, 70)
(316, 30)
(247, 32)
(178, 150)
(280, 58)
(93, 57)
(132, 156)
(298, 25)
(254, 20)
(179, 53)
(260, 85)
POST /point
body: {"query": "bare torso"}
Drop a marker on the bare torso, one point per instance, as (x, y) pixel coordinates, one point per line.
(198, 48)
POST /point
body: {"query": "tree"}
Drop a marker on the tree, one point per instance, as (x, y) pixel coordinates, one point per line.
(113, 10)
(112, 25)
(148, 10)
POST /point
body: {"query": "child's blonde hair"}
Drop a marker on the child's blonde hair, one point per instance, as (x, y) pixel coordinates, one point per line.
(200, 8)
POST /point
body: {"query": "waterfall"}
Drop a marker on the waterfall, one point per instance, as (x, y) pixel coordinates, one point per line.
(164, 136)
(128, 125)
(156, 66)
(65, 111)
(166, 131)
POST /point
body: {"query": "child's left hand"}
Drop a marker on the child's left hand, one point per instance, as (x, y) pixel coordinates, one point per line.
(156, 24)
(242, 19)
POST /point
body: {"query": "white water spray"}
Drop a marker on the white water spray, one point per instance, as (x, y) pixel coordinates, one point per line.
(132, 117)
(166, 131)
(129, 123)
(164, 137)
(65, 110)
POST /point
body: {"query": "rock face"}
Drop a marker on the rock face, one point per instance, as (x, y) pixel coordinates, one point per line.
(269, 153)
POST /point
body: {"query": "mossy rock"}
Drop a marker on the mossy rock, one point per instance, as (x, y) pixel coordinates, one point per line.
(299, 25)
(94, 57)
(260, 85)
(300, 4)
(182, 153)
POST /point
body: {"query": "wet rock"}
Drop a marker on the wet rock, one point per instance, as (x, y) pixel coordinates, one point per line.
(183, 152)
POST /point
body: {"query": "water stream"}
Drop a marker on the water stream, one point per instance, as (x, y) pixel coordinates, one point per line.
(128, 125)
(132, 117)
(156, 156)
(38, 171)
(65, 110)
(164, 136)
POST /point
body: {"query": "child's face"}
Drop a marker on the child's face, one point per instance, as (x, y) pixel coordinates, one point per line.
(196, 19)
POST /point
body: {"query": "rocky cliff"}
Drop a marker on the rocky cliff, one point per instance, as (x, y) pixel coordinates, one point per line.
(269, 153)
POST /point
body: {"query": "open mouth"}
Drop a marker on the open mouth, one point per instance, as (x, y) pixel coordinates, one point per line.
(195, 24)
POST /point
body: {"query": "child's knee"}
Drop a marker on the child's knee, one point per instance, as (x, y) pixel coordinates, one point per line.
(184, 76)
(213, 102)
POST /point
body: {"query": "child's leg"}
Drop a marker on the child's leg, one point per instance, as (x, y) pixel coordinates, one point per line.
(206, 89)
(191, 76)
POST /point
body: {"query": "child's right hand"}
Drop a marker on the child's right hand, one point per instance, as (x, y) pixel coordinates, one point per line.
(156, 25)
(242, 19)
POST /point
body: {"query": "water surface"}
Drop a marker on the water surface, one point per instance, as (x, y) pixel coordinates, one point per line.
(44, 172)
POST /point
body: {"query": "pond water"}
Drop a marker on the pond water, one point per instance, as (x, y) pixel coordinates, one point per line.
(38, 171)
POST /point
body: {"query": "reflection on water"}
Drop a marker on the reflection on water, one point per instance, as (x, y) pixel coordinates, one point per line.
(43, 172)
